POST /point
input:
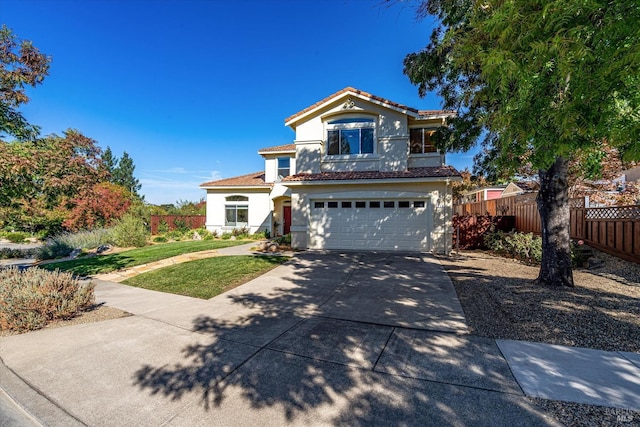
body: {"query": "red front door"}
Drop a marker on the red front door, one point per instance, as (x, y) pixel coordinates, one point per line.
(286, 214)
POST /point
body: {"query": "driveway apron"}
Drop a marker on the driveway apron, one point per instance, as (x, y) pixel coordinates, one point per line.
(325, 339)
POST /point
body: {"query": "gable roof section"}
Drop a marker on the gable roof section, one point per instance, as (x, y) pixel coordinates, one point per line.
(255, 179)
(287, 148)
(411, 173)
(291, 120)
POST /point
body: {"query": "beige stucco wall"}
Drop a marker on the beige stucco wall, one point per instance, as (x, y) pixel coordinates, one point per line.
(437, 195)
(391, 139)
(271, 166)
(260, 207)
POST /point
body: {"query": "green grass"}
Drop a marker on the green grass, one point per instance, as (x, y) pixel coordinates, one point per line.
(208, 277)
(126, 259)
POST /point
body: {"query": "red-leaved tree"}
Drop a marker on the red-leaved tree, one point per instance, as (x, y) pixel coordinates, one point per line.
(100, 206)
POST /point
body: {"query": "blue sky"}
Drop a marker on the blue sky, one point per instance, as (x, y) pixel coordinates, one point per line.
(191, 89)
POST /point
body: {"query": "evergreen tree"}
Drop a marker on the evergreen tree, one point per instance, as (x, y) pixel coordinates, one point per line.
(109, 163)
(123, 175)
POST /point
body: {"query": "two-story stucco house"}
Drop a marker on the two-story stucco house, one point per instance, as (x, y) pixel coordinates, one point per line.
(362, 174)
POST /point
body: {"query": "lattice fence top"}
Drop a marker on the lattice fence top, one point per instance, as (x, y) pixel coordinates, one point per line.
(577, 202)
(617, 212)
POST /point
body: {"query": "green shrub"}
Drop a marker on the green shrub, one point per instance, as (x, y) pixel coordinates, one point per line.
(16, 236)
(163, 227)
(180, 224)
(523, 246)
(160, 239)
(53, 249)
(580, 253)
(240, 233)
(260, 235)
(225, 236)
(7, 253)
(63, 244)
(284, 240)
(31, 298)
(130, 231)
(528, 247)
(202, 231)
(175, 235)
(208, 237)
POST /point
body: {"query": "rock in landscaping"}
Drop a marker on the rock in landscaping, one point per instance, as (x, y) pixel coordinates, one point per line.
(196, 236)
(102, 248)
(594, 262)
(273, 247)
(74, 253)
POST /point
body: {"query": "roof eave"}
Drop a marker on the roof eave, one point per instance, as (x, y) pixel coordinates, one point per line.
(262, 153)
(373, 181)
(295, 119)
(236, 187)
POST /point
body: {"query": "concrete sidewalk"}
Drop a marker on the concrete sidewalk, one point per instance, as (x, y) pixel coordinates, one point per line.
(324, 339)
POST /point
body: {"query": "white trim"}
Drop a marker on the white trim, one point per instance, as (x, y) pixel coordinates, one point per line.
(346, 94)
(307, 141)
(341, 158)
(266, 153)
(360, 195)
(266, 187)
(371, 181)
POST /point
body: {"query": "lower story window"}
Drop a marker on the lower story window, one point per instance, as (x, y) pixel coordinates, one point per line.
(236, 215)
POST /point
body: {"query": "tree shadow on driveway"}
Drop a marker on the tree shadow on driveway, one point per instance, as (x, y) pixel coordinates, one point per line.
(293, 351)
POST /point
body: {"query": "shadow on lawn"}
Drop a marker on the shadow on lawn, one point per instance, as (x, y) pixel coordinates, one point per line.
(88, 266)
(284, 348)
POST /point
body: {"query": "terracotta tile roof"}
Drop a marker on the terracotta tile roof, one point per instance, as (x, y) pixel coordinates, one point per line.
(249, 180)
(354, 90)
(286, 147)
(430, 113)
(425, 172)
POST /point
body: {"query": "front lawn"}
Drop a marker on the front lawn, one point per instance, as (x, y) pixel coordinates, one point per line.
(139, 256)
(208, 277)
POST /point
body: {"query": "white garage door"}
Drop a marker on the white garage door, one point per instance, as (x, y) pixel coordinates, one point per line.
(370, 225)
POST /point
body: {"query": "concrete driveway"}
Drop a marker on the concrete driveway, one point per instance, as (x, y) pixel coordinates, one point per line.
(325, 339)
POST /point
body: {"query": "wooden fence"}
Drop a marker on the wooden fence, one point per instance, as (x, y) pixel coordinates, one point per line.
(172, 222)
(615, 230)
(469, 230)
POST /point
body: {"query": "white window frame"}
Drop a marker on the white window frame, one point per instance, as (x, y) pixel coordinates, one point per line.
(230, 203)
(422, 152)
(278, 168)
(370, 123)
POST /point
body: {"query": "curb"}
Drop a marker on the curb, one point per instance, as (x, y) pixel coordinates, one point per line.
(40, 411)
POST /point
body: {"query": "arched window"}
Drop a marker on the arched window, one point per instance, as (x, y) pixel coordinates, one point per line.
(237, 199)
(236, 211)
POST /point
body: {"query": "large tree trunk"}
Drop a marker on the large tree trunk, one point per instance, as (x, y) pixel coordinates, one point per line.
(553, 205)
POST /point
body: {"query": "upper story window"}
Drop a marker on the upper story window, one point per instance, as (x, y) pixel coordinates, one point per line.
(420, 141)
(284, 166)
(350, 136)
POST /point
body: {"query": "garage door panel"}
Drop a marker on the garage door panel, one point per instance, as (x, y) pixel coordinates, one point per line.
(369, 228)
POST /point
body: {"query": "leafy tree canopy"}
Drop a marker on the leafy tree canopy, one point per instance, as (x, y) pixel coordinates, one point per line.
(21, 65)
(40, 177)
(539, 83)
(534, 80)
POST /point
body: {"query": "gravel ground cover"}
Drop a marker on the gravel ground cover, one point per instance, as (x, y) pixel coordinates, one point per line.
(602, 312)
